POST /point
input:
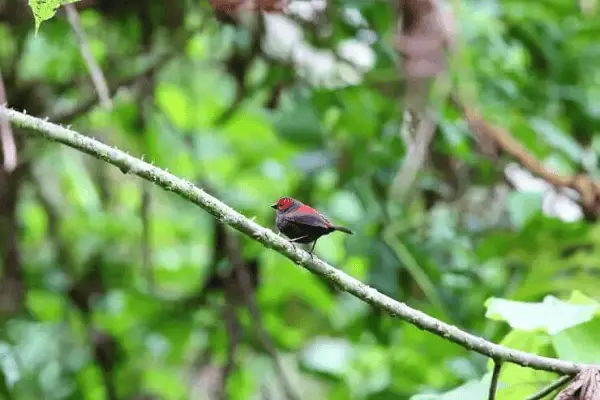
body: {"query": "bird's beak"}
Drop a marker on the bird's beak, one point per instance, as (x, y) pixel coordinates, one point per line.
(274, 205)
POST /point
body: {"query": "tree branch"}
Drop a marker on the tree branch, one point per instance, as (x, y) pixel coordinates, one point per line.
(242, 276)
(86, 52)
(416, 154)
(87, 103)
(493, 140)
(233, 327)
(494, 381)
(227, 215)
(550, 388)
(7, 139)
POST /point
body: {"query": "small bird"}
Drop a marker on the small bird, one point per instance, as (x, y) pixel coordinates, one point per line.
(301, 223)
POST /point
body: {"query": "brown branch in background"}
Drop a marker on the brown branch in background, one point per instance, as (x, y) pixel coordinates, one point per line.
(550, 388)
(12, 279)
(84, 290)
(424, 35)
(146, 245)
(505, 143)
(146, 92)
(494, 381)
(237, 66)
(84, 47)
(105, 348)
(425, 32)
(500, 141)
(416, 155)
(7, 139)
(240, 270)
(233, 327)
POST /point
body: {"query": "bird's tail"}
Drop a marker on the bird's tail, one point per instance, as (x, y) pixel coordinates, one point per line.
(342, 229)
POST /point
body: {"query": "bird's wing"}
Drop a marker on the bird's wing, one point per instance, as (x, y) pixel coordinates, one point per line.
(308, 216)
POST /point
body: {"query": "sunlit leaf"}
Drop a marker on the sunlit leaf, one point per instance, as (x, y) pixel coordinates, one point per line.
(551, 315)
(328, 355)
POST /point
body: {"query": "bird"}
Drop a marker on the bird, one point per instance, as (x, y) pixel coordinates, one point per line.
(301, 223)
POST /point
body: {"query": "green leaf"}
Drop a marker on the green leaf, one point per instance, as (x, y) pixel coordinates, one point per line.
(557, 138)
(580, 343)
(551, 315)
(517, 382)
(46, 306)
(476, 389)
(169, 383)
(369, 371)
(579, 298)
(43, 10)
(522, 206)
(282, 280)
(328, 355)
(176, 105)
(297, 120)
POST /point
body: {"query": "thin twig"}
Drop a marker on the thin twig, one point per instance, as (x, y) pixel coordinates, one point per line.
(146, 201)
(233, 330)
(185, 189)
(146, 246)
(86, 104)
(9, 148)
(550, 388)
(84, 47)
(495, 377)
(416, 155)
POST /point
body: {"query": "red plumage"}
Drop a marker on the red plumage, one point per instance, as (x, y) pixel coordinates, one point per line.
(301, 223)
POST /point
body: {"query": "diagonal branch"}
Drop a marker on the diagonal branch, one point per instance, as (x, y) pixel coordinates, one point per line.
(416, 154)
(550, 388)
(36, 127)
(494, 140)
(93, 68)
(87, 103)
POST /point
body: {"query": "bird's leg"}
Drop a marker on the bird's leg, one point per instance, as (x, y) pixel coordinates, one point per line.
(298, 238)
(312, 248)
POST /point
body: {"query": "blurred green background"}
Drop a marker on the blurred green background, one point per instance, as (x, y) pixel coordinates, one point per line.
(114, 289)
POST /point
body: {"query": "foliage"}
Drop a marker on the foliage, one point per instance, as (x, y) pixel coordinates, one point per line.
(43, 10)
(127, 286)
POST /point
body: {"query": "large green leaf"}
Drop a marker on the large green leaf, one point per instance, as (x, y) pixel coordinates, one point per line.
(552, 315)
